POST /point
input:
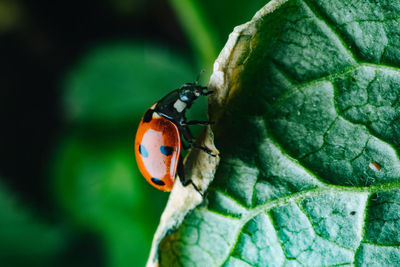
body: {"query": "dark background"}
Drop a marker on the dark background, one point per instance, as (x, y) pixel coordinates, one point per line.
(75, 78)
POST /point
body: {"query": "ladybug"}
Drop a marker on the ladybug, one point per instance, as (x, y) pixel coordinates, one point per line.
(158, 139)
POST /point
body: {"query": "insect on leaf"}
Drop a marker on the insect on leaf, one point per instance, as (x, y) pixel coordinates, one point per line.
(307, 114)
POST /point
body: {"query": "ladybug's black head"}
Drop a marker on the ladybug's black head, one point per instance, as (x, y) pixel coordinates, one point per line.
(191, 91)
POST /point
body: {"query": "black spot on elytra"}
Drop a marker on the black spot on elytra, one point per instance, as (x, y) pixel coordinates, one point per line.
(353, 213)
(143, 151)
(166, 150)
(148, 115)
(157, 181)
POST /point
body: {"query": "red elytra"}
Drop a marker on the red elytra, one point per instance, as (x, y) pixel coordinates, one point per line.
(157, 150)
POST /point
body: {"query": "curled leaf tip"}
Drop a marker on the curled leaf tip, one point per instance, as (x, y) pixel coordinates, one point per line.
(200, 169)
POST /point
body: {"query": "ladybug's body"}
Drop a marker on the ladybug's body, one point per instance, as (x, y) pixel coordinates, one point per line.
(159, 147)
(158, 138)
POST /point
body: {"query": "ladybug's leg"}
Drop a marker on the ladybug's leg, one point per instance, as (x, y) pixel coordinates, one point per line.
(205, 149)
(181, 171)
(187, 135)
(181, 174)
(185, 146)
(207, 92)
(199, 122)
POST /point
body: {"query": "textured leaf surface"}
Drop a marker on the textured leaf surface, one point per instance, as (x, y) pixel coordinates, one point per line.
(309, 135)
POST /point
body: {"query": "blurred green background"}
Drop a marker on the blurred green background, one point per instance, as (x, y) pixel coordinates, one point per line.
(75, 79)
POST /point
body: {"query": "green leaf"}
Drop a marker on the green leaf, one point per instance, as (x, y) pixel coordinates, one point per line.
(307, 114)
(116, 83)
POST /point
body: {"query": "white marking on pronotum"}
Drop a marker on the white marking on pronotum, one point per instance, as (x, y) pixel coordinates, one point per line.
(155, 114)
(179, 105)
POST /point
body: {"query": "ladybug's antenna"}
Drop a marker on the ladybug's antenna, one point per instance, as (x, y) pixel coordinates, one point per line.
(198, 77)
